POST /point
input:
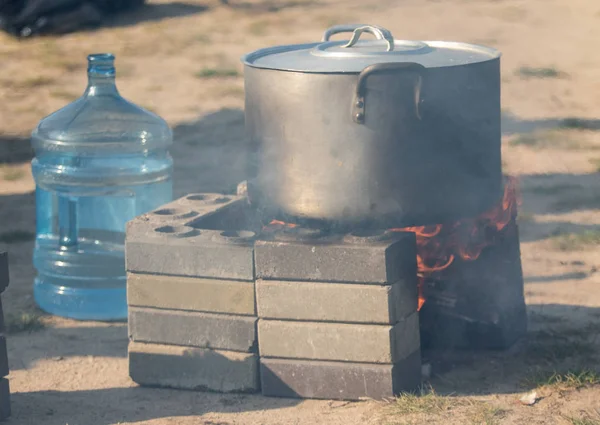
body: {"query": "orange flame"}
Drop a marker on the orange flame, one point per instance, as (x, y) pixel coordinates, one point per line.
(277, 225)
(438, 246)
(282, 224)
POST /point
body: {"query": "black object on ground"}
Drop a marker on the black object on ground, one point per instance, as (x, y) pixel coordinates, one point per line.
(27, 18)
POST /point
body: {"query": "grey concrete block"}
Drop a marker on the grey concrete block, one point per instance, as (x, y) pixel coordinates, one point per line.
(335, 302)
(5, 410)
(217, 331)
(4, 277)
(368, 262)
(4, 371)
(193, 368)
(192, 250)
(339, 380)
(339, 341)
(196, 294)
(185, 251)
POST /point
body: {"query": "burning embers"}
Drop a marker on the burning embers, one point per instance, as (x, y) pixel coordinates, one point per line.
(438, 246)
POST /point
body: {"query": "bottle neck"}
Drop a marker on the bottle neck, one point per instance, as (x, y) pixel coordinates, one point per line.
(101, 87)
(101, 76)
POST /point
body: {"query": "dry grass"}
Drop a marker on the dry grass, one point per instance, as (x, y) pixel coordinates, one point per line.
(579, 124)
(486, 414)
(11, 173)
(33, 82)
(544, 318)
(555, 345)
(525, 217)
(555, 138)
(427, 401)
(217, 73)
(554, 189)
(549, 72)
(587, 199)
(569, 380)
(576, 241)
(24, 322)
(589, 419)
(259, 28)
(427, 405)
(596, 163)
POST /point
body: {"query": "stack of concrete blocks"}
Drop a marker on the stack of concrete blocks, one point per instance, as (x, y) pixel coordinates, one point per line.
(192, 316)
(338, 319)
(4, 387)
(337, 315)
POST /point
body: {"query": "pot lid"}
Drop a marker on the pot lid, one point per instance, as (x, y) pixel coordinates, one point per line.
(355, 55)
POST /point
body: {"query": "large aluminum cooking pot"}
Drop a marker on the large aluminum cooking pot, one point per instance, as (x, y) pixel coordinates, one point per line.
(402, 131)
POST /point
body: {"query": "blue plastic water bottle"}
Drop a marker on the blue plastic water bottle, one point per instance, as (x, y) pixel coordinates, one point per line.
(99, 162)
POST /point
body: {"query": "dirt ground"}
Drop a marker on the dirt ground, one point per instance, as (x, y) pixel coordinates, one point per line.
(181, 60)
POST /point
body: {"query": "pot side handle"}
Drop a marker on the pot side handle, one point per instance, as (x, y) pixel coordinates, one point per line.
(358, 106)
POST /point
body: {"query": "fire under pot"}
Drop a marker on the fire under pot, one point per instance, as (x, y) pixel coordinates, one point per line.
(375, 224)
(223, 301)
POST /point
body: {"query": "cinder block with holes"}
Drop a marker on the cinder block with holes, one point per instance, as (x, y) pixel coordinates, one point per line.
(170, 240)
(192, 315)
(4, 370)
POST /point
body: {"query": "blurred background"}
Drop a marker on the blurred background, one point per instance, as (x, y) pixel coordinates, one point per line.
(181, 59)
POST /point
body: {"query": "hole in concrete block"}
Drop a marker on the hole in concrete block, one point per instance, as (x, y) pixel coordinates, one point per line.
(196, 197)
(238, 234)
(222, 200)
(175, 212)
(177, 231)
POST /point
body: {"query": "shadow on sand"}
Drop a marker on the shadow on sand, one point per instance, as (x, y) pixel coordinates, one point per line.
(132, 405)
(511, 124)
(154, 12)
(267, 6)
(561, 338)
(61, 342)
(14, 149)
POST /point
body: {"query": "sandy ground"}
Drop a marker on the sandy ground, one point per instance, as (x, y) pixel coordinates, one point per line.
(180, 59)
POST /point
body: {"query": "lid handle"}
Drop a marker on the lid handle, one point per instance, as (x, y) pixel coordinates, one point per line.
(357, 29)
